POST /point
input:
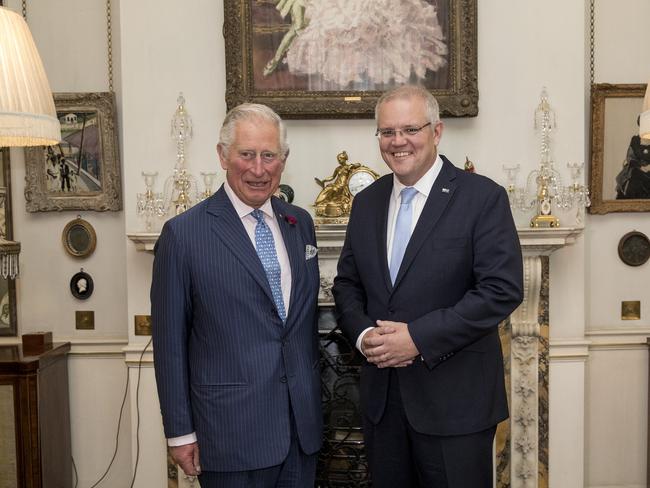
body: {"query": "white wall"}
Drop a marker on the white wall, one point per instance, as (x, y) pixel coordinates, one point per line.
(164, 47)
(71, 37)
(617, 371)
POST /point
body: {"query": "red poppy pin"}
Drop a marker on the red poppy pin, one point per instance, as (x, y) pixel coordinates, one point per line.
(291, 220)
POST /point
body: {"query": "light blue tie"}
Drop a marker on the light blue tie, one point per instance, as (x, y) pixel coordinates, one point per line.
(402, 232)
(265, 246)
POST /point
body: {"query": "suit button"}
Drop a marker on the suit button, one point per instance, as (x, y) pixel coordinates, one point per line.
(283, 379)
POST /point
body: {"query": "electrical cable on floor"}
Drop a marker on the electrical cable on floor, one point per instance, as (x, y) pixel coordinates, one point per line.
(137, 410)
(117, 436)
(76, 475)
(119, 422)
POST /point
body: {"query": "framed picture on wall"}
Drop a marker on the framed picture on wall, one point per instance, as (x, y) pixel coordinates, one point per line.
(334, 58)
(83, 171)
(620, 160)
(7, 286)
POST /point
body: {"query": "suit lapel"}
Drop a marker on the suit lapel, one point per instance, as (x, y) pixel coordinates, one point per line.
(382, 230)
(228, 227)
(441, 194)
(294, 251)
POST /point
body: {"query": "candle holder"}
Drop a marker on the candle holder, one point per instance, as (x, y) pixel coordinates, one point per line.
(149, 204)
(208, 182)
(544, 190)
(180, 191)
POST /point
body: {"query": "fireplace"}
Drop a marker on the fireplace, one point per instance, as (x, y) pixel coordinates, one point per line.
(342, 460)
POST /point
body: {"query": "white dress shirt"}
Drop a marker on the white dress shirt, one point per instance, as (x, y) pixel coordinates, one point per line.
(423, 187)
(244, 213)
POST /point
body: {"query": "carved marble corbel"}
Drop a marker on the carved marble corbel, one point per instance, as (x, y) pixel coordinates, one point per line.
(524, 374)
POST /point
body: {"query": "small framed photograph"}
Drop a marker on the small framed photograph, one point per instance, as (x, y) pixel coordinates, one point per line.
(83, 171)
(620, 160)
(333, 59)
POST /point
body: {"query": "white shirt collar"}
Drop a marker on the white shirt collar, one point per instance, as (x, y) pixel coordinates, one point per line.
(243, 209)
(424, 184)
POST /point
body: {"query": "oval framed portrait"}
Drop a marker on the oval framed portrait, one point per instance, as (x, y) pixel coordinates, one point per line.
(81, 285)
(634, 248)
(79, 238)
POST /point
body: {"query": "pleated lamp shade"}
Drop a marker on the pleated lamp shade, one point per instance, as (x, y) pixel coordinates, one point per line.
(27, 113)
(644, 119)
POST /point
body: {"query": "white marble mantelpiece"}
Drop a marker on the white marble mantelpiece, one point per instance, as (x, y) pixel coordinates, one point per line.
(144, 241)
(538, 242)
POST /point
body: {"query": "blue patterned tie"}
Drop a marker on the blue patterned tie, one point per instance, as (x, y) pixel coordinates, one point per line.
(265, 246)
(402, 232)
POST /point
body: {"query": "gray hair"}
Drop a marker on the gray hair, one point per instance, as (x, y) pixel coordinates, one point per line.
(251, 111)
(410, 91)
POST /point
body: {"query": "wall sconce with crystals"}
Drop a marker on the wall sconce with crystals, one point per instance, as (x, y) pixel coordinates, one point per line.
(181, 190)
(149, 203)
(544, 190)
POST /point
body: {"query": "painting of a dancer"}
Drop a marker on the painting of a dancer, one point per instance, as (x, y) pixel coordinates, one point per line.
(334, 58)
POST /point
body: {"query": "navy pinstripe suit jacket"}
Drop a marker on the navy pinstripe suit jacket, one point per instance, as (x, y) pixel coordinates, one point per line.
(226, 367)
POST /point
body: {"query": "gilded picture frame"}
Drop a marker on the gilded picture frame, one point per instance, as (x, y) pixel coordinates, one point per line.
(79, 238)
(303, 84)
(83, 172)
(616, 152)
(8, 316)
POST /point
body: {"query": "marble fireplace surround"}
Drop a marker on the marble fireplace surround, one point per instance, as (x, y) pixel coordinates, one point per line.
(522, 440)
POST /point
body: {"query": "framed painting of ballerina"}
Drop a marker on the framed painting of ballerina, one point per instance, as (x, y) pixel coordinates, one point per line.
(334, 58)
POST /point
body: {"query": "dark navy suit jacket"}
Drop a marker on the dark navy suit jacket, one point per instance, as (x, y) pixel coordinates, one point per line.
(226, 366)
(461, 275)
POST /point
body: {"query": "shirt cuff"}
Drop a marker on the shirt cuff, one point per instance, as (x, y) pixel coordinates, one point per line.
(182, 440)
(360, 338)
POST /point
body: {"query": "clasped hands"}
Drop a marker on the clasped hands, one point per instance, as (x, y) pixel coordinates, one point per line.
(389, 345)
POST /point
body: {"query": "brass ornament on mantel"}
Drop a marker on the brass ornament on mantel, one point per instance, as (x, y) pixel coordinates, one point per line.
(334, 201)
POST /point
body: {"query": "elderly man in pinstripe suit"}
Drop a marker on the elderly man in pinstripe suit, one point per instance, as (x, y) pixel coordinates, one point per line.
(233, 298)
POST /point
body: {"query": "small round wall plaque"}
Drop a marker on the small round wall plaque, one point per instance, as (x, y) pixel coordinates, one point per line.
(634, 248)
(81, 285)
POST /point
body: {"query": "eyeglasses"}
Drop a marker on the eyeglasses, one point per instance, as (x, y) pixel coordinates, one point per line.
(387, 134)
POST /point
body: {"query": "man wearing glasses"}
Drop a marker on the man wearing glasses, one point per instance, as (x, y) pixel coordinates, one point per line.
(430, 266)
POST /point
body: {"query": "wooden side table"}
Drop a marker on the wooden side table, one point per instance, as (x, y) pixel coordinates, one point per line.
(35, 446)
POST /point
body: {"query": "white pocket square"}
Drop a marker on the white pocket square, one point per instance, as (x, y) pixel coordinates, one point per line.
(310, 251)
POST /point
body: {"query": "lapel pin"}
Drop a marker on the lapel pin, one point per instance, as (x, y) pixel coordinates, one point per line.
(445, 190)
